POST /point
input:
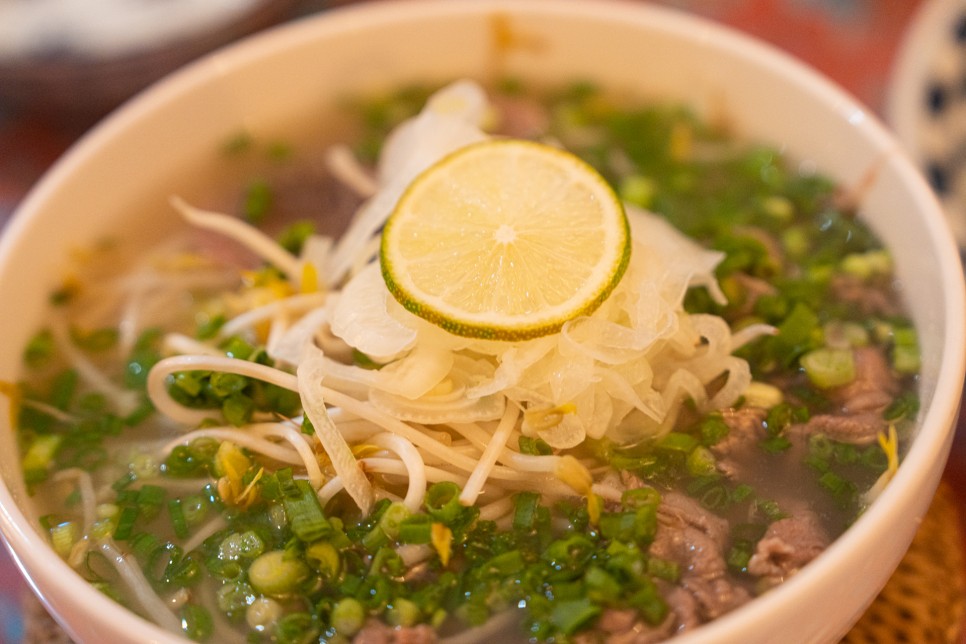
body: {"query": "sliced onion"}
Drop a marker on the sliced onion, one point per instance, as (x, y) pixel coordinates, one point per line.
(361, 318)
(310, 373)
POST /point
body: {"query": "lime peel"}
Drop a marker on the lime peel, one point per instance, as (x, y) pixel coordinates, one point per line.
(505, 239)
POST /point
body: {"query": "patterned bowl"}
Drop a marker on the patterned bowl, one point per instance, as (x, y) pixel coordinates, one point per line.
(926, 103)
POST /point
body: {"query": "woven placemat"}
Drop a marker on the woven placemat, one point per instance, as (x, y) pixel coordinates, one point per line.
(924, 601)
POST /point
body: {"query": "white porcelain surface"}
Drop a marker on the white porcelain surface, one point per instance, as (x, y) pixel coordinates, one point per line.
(286, 74)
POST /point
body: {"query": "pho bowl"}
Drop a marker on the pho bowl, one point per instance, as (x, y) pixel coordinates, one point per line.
(143, 152)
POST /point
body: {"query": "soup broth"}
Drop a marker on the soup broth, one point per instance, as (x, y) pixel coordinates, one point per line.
(206, 499)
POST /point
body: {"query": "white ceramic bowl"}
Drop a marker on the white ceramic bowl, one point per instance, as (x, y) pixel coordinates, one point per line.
(287, 74)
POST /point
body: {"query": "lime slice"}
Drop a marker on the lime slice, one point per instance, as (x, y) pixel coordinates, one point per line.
(505, 240)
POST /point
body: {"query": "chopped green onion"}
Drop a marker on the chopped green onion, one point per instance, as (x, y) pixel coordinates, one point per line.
(293, 237)
(348, 616)
(638, 190)
(601, 585)
(234, 597)
(305, 514)
(525, 506)
(677, 442)
(416, 529)
(905, 352)
(324, 558)
(701, 462)
(194, 508)
(402, 612)
(240, 142)
(277, 573)
(664, 569)
(224, 385)
(40, 456)
(241, 545)
(125, 522)
(238, 409)
(392, 518)
(63, 536)
(635, 498)
(196, 622)
(572, 615)
(534, 446)
(712, 430)
(296, 628)
(505, 564)
(94, 340)
(236, 347)
(797, 333)
(868, 264)
(775, 444)
(442, 502)
(40, 349)
(150, 500)
(178, 522)
(827, 368)
(63, 389)
(648, 601)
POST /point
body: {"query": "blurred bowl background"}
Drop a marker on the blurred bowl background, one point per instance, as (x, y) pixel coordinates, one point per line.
(84, 57)
(926, 103)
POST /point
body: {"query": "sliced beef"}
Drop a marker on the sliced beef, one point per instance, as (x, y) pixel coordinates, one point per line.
(716, 596)
(375, 632)
(631, 481)
(857, 429)
(617, 620)
(746, 427)
(868, 300)
(680, 511)
(695, 539)
(684, 608)
(625, 626)
(858, 417)
(753, 288)
(875, 385)
(788, 544)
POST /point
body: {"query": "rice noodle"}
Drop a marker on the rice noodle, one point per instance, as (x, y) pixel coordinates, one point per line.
(488, 459)
(392, 466)
(201, 535)
(248, 236)
(301, 454)
(180, 343)
(157, 378)
(415, 468)
(85, 487)
(287, 306)
(130, 573)
(125, 401)
(341, 163)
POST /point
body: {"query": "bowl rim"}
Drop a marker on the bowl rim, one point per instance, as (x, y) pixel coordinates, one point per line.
(22, 539)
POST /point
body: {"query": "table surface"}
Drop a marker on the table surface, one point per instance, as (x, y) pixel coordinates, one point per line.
(854, 42)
